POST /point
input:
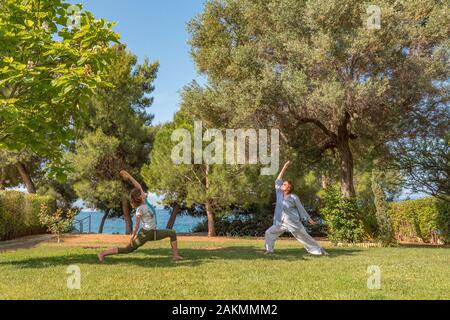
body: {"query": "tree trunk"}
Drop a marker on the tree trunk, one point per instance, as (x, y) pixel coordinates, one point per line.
(343, 145)
(173, 215)
(102, 223)
(26, 177)
(209, 208)
(127, 216)
(3, 179)
(211, 219)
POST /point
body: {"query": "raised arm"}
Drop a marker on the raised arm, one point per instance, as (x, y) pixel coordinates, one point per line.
(126, 176)
(283, 171)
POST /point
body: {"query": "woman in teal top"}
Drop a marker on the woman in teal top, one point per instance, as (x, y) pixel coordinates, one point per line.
(145, 214)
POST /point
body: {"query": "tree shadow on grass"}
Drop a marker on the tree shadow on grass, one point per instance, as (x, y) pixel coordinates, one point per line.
(159, 257)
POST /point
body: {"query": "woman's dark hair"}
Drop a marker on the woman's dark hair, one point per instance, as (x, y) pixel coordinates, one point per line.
(136, 197)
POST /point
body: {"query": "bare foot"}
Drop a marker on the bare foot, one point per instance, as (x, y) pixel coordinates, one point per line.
(101, 258)
(268, 252)
(178, 258)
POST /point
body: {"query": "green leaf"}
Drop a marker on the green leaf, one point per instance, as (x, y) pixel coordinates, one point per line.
(29, 23)
(68, 89)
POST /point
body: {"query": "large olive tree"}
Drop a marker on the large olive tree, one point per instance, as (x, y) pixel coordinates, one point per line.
(338, 72)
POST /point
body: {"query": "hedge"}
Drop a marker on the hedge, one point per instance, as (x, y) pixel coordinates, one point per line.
(238, 225)
(250, 225)
(418, 219)
(19, 214)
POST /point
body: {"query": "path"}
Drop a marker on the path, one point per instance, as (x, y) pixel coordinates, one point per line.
(25, 242)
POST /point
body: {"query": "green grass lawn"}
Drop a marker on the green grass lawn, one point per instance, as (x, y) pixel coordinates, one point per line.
(230, 269)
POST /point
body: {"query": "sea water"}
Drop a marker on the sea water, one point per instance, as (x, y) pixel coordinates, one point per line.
(183, 223)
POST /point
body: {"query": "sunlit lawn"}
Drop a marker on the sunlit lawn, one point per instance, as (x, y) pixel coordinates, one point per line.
(226, 269)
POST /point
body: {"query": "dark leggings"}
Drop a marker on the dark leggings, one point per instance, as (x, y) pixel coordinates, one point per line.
(146, 236)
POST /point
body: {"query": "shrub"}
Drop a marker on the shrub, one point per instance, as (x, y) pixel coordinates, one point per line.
(342, 217)
(418, 219)
(239, 225)
(19, 214)
(57, 222)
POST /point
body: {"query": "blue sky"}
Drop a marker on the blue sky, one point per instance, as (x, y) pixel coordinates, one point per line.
(156, 29)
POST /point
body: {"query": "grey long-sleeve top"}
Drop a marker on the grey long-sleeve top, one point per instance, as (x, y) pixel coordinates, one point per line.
(288, 209)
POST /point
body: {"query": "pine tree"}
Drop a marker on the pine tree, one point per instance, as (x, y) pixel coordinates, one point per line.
(117, 137)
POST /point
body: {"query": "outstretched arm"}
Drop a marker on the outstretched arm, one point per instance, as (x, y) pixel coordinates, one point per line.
(283, 171)
(301, 210)
(126, 176)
